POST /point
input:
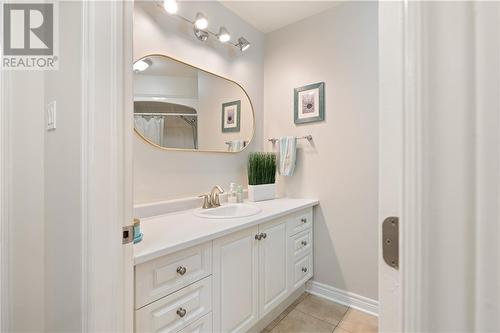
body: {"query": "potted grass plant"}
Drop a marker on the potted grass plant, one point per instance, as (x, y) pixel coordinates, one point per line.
(261, 176)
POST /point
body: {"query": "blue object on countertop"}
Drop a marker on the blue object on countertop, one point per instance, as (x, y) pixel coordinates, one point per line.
(138, 238)
(137, 231)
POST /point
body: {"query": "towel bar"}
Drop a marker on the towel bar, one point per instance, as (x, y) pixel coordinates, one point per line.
(307, 137)
(229, 142)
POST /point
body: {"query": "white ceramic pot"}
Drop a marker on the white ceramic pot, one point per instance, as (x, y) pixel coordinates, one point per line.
(261, 192)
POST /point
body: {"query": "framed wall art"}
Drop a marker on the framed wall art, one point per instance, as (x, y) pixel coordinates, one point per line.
(309, 103)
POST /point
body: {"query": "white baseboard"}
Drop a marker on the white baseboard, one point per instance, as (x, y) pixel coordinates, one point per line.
(353, 300)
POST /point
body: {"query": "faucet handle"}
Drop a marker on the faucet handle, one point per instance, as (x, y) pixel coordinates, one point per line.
(206, 201)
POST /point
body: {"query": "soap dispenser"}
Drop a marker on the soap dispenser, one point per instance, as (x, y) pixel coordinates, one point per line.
(239, 194)
(231, 198)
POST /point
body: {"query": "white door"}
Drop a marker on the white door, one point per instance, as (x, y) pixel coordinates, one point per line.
(235, 281)
(390, 154)
(273, 261)
(439, 164)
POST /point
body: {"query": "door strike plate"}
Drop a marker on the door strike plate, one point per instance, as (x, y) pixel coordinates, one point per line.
(127, 234)
(390, 241)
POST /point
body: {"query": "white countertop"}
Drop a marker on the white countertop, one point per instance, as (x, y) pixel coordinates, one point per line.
(168, 233)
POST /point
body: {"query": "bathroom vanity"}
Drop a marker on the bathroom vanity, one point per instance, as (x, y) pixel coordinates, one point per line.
(223, 274)
(225, 269)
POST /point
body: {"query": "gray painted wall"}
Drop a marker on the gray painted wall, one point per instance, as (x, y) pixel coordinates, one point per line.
(340, 48)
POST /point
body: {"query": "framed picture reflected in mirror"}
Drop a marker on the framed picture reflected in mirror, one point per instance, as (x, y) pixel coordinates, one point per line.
(231, 113)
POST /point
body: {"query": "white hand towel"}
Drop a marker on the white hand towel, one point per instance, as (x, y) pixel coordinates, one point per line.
(287, 155)
(235, 145)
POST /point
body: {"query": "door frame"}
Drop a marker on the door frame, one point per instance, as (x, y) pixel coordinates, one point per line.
(401, 139)
(106, 165)
(5, 195)
(107, 134)
(413, 178)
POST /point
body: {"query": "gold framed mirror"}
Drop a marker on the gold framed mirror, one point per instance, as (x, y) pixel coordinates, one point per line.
(178, 106)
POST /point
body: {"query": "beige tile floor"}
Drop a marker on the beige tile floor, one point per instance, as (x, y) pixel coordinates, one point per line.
(312, 314)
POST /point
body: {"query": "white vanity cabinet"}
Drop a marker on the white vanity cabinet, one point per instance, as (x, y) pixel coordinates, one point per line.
(229, 283)
(236, 285)
(278, 252)
(273, 265)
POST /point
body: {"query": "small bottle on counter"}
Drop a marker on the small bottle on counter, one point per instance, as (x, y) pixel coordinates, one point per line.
(232, 197)
(239, 194)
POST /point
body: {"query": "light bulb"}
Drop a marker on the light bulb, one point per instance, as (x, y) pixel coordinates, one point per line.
(170, 6)
(223, 35)
(201, 21)
(141, 65)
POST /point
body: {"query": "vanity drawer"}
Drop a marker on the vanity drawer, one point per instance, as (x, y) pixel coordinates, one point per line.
(202, 325)
(299, 222)
(176, 311)
(302, 271)
(157, 278)
(301, 243)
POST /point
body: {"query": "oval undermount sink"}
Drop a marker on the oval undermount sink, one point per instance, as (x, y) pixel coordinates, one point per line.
(228, 211)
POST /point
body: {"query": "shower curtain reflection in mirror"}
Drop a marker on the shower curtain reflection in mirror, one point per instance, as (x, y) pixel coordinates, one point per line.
(151, 127)
(167, 124)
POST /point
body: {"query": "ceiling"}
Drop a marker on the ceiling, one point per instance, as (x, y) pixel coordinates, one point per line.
(268, 16)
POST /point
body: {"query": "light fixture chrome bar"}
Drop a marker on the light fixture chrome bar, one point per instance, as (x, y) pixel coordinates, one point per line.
(306, 137)
(213, 34)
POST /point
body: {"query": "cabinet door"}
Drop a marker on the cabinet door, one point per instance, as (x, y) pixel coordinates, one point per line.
(272, 265)
(235, 276)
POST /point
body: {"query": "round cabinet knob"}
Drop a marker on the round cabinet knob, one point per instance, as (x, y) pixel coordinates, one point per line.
(304, 243)
(304, 269)
(181, 312)
(304, 220)
(264, 235)
(258, 236)
(181, 270)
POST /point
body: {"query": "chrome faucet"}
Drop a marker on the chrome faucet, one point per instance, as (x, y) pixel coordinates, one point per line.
(212, 200)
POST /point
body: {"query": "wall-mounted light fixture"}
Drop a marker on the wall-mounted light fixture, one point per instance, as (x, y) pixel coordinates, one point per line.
(142, 65)
(243, 44)
(200, 34)
(200, 25)
(223, 35)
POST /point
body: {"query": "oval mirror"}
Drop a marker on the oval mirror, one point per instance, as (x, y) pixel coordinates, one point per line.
(178, 106)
